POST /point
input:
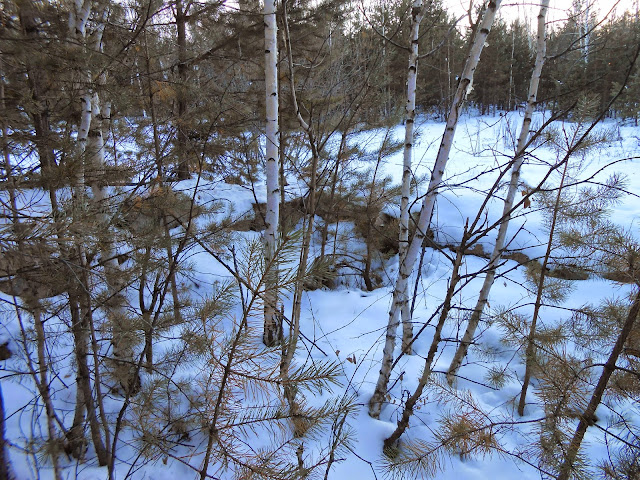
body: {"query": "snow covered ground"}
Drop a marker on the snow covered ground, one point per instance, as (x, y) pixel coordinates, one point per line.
(349, 323)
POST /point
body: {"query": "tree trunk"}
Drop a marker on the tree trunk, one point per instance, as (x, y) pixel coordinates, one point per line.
(272, 323)
(418, 11)
(461, 352)
(289, 349)
(531, 343)
(407, 412)
(587, 418)
(91, 143)
(43, 383)
(182, 142)
(406, 267)
(80, 307)
(123, 336)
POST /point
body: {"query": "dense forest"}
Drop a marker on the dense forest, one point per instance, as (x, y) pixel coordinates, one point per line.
(180, 178)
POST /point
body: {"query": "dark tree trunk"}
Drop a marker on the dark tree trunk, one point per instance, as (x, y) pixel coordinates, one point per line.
(182, 146)
(588, 417)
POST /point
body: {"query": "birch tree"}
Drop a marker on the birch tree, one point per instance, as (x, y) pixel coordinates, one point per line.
(418, 11)
(509, 200)
(91, 145)
(406, 267)
(91, 170)
(272, 323)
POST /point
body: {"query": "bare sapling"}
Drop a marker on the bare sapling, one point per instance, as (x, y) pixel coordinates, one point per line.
(289, 347)
(411, 402)
(40, 375)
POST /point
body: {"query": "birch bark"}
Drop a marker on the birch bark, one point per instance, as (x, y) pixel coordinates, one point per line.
(92, 149)
(272, 323)
(406, 267)
(541, 44)
(418, 11)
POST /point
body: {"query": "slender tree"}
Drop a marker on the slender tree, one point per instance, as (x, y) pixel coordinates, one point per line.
(587, 417)
(531, 340)
(182, 138)
(412, 400)
(406, 267)
(272, 323)
(289, 348)
(418, 10)
(509, 200)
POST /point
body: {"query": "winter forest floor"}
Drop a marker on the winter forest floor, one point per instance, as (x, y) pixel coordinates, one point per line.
(345, 325)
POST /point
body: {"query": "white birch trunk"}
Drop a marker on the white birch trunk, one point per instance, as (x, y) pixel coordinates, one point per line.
(272, 326)
(78, 18)
(92, 149)
(123, 336)
(83, 135)
(406, 267)
(461, 352)
(417, 14)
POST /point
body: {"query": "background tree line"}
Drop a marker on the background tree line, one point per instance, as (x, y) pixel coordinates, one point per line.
(205, 86)
(108, 106)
